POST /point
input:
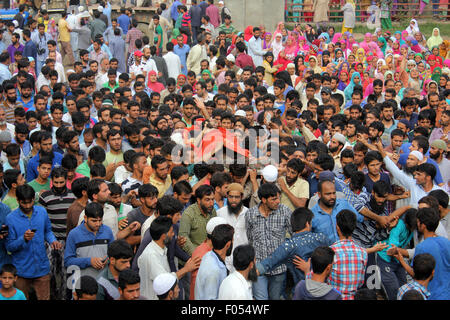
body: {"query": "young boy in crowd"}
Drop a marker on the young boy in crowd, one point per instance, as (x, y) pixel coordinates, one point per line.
(8, 278)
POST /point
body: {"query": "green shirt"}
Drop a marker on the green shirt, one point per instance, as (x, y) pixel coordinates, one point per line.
(11, 202)
(193, 227)
(37, 187)
(228, 30)
(106, 85)
(178, 22)
(84, 169)
(158, 30)
(112, 158)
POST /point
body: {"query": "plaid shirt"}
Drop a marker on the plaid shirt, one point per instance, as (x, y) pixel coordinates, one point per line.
(366, 232)
(413, 286)
(349, 265)
(350, 196)
(132, 35)
(267, 234)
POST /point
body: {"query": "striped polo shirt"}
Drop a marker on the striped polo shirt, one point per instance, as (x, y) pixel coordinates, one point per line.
(57, 206)
(186, 20)
(9, 110)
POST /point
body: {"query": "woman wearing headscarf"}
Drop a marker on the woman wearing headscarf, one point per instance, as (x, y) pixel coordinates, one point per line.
(343, 80)
(414, 79)
(153, 83)
(382, 44)
(302, 45)
(436, 74)
(356, 79)
(365, 43)
(349, 16)
(361, 56)
(325, 36)
(435, 39)
(412, 28)
(267, 41)
(291, 48)
(398, 37)
(314, 64)
(282, 61)
(248, 33)
(277, 45)
(181, 81)
(444, 49)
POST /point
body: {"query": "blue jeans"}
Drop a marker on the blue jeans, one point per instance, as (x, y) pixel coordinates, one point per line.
(269, 287)
(393, 276)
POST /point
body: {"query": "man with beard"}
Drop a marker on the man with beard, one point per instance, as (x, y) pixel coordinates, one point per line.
(95, 235)
(234, 214)
(29, 229)
(98, 192)
(25, 97)
(148, 197)
(328, 207)
(46, 150)
(376, 130)
(57, 201)
(267, 225)
(387, 119)
(335, 147)
(212, 269)
(255, 48)
(153, 260)
(302, 244)
(10, 103)
(72, 146)
(238, 285)
(114, 157)
(294, 189)
(438, 148)
(196, 216)
(366, 232)
(100, 131)
(160, 177)
(4, 125)
(21, 135)
(444, 129)
(162, 126)
(220, 182)
(119, 258)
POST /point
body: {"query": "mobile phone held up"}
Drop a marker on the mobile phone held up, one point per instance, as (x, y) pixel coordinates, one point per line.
(4, 230)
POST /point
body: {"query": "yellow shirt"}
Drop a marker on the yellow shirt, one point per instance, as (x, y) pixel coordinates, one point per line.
(300, 189)
(64, 35)
(161, 186)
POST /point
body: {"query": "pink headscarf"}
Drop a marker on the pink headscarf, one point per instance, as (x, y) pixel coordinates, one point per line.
(305, 47)
(337, 38)
(292, 49)
(365, 43)
(154, 86)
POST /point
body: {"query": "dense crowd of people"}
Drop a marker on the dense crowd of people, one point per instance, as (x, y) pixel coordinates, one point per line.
(201, 162)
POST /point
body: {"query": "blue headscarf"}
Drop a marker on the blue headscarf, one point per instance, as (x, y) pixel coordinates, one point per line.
(325, 36)
(349, 90)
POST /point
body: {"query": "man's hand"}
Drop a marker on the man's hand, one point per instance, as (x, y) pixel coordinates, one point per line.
(252, 174)
(281, 183)
(56, 245)
(28, 235)
(181, 241)
(135, 225)
(193, 264)
(379, 246)
(98, 263)
(392, 251)
(301, 264)
(123, 223)
(393, 222)
(384, 221)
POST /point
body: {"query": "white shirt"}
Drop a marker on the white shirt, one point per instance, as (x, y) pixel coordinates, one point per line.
(11, 128)
(61, 74)
(146, 225)
(151, 263)
(235, 287)
(149, 64)
(173, 63)
(240, 230)
(110, 218)
(121, 174)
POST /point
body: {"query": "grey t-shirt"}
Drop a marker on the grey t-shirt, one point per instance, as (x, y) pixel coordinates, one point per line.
(137, 215)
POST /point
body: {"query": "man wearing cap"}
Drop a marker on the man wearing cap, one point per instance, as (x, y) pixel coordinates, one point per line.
(166, 287)
(438, 149)
(202, 249)
(325, 95)
(5, 139)
(234, 215)
(137, 68)
(420, 184)
(335, 147)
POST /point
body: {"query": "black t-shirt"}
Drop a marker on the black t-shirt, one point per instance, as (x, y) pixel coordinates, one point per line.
(74, 2)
